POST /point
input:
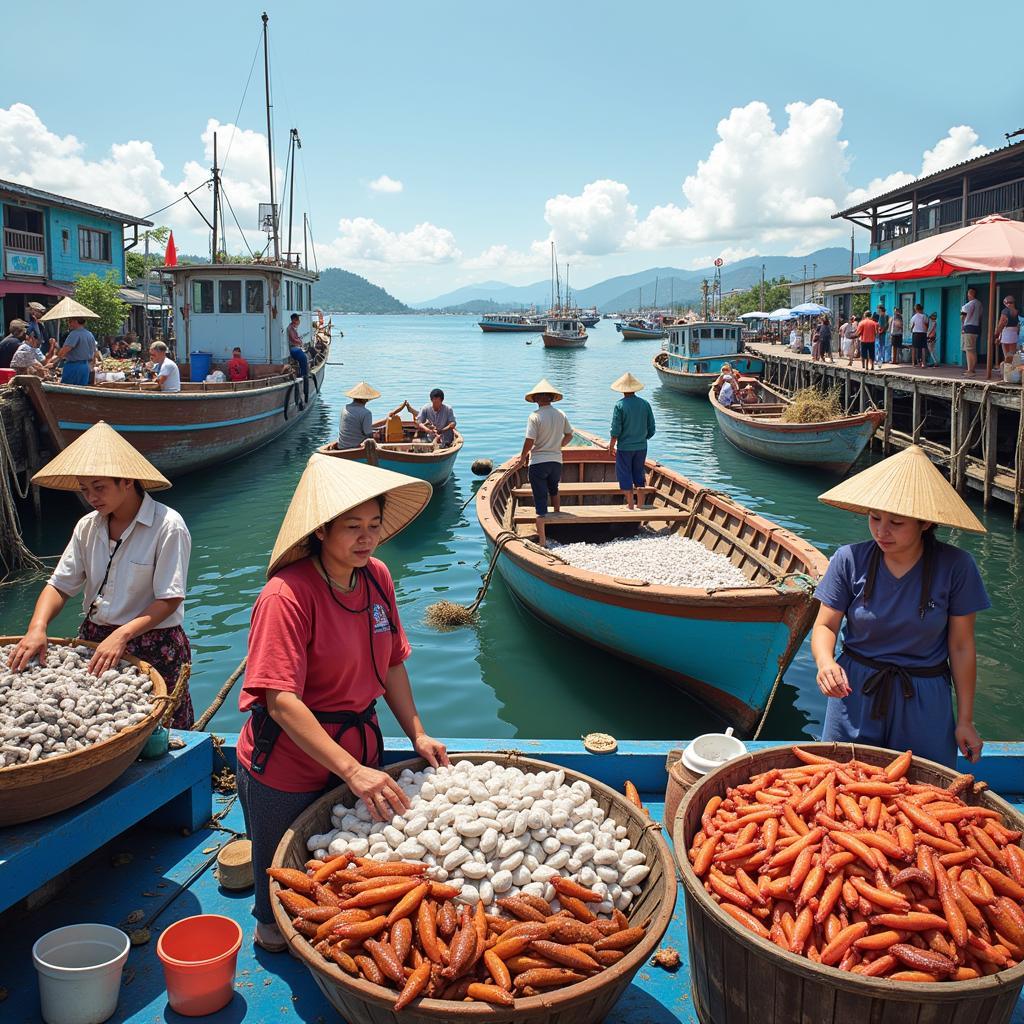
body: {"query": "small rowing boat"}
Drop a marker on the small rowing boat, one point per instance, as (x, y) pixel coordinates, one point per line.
(725, 647)
(421, 459)
(759, 430)
(696, 352)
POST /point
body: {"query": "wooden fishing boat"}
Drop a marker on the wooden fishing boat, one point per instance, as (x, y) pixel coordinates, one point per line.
(758, 429)
(421, 459)
(506, 323)
(696, 352)
(724, 647)
(564, 330)
(640, 329)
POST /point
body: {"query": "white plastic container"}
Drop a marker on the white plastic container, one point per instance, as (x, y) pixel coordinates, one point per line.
(79, 970)
(710, 751)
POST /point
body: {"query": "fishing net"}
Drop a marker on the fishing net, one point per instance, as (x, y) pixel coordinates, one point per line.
(447, 615)
(809, 405)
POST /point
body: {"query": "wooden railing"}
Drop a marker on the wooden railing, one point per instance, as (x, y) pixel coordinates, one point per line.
(23, 241)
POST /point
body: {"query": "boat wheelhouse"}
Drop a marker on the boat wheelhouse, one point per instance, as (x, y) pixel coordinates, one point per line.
(696, 352)
(564, 330)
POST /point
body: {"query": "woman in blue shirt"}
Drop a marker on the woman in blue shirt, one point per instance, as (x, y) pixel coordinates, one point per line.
(909, 603)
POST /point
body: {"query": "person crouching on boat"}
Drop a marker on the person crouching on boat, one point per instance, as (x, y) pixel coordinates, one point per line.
(632, 427)
(437, 420)
(909, 603)
(325, 644)
(548, 430)
(165, 369)
(130, 557)
(356, 424)
(297, 351)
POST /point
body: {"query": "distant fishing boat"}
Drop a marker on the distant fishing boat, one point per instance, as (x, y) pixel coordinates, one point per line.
(504, 323)
(590, 317)
(758, 430)
(421, 459)
(696, 352)
(640, 329)
(564, 330)
(725, 647)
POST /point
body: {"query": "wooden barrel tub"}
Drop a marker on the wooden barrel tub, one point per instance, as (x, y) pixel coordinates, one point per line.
(737, 977)
(40, 788)
(586, 1002)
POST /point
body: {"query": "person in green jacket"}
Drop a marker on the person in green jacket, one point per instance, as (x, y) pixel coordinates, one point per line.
(632, 427)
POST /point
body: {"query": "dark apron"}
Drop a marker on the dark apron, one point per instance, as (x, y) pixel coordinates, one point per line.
(880, 683)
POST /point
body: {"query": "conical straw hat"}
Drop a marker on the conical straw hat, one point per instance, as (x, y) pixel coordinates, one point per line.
(544, 388)
(330, 486)
(100, 451)
(362, 390)
(628, 384)
(905, 485)
(68, 307)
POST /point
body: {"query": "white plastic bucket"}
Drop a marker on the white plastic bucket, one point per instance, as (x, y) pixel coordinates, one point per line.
(710, 751)
(79, 970)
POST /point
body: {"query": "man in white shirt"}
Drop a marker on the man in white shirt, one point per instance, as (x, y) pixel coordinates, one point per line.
(28, 359)
(970, 328)
(168, 375)
(547, 431)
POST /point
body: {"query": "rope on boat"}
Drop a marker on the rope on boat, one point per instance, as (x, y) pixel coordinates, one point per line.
(215, 705)
(15, 556)
(445, 615)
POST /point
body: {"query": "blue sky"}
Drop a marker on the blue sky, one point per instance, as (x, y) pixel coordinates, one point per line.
(509, 124)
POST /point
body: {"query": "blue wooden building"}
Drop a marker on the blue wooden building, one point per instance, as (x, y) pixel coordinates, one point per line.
(49, 241)
(944, 201)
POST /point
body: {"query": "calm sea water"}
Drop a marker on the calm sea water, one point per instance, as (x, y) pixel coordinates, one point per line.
(513, 676)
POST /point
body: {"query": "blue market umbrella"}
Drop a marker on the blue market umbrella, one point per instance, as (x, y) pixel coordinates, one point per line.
(809, 309)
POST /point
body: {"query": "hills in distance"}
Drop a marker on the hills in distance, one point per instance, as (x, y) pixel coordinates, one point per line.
(630, 291)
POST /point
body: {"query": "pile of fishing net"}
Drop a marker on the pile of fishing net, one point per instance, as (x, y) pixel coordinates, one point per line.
(809, 405)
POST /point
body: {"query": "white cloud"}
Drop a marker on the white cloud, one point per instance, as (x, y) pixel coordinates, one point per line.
(386, 185)
(593, 223)
(363, 240)
(504, 257)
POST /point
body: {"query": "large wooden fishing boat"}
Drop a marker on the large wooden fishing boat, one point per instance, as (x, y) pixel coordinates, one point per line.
(725, 647)
(758, 429)
(696, 352)
(506, 323)
(564, 330)
(421, 459)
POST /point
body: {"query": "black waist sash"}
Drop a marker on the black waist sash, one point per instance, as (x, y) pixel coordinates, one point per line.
(879, 684)
(265, 731)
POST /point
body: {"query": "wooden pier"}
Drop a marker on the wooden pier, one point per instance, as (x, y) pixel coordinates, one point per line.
(972, 428)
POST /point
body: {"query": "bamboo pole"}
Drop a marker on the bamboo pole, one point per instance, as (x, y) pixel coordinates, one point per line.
(991, 323)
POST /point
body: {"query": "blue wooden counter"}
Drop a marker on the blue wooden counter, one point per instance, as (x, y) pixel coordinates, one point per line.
(279, 988)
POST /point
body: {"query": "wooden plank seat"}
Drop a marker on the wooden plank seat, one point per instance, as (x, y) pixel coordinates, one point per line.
(586, 515)
(594, 488)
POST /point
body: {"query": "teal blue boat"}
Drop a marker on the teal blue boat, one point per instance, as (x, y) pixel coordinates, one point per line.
(677, 632)
(758, 429)
(696, 352)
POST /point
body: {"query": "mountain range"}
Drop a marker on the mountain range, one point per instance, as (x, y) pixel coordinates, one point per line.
(629, 291)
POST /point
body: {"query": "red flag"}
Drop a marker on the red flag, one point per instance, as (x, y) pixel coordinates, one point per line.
(171, 256)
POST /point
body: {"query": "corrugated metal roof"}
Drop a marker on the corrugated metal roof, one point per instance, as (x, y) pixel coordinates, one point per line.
(950, 172)
(39, 196)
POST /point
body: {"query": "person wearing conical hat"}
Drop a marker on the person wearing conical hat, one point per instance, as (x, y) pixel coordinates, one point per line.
(325, 644)
(548, 430)
(128, 558)
(632, 427)
(906, 603)
(356, 425)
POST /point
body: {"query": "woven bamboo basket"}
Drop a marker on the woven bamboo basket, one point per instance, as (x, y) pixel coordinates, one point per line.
(738, 977)
(588, 1001)
(31, 791)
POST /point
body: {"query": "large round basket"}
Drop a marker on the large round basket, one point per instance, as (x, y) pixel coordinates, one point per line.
(587, 1001)
(35, 790)
(739, 977)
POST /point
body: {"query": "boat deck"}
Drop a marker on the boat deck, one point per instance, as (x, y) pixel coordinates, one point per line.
(140, 869)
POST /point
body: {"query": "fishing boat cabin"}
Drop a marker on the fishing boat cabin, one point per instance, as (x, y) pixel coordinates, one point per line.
(702, 347)
(222, 306)
(502, 322)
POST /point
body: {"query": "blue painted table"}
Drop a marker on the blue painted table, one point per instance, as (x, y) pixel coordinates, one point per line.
(177, 786)
(272, 987)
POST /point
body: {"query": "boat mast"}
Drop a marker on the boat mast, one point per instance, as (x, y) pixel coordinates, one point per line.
(294, 143)
(270, 140)
(552, 277)
(216, 200)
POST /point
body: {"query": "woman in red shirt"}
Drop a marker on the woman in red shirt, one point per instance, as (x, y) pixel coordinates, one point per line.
(324, 644)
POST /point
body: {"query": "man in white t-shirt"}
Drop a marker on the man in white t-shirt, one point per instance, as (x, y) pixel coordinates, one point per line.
(970, 328)
(547, 431)
(166, 369)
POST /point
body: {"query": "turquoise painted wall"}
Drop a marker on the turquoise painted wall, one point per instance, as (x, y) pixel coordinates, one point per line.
(67, 265)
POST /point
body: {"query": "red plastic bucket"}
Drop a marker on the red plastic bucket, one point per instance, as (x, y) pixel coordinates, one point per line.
(199, 955)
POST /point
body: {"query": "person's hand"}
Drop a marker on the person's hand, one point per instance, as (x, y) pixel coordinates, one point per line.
(109, 652)
(382, 795)
(432, 751)
(968, 741)
(31, 645)
(832, 680)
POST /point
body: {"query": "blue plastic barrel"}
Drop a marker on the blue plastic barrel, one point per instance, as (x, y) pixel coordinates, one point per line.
(202, 363)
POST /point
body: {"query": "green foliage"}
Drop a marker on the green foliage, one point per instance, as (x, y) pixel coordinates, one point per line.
(860, 304)
(339, 291)
(100, 294)
(776, 295)
(137, 263)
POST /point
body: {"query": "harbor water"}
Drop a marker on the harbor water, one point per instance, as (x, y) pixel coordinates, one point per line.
(511, 675)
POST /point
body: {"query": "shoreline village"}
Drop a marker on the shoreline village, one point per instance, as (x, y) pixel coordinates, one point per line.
(688, 693)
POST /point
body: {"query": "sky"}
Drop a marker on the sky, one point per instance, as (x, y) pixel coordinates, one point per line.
(448, 143)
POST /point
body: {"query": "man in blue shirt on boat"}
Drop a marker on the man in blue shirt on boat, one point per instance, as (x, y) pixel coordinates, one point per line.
(632, 427)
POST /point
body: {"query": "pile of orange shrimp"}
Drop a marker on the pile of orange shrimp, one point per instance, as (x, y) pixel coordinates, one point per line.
(386, 923)
(855, 867)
